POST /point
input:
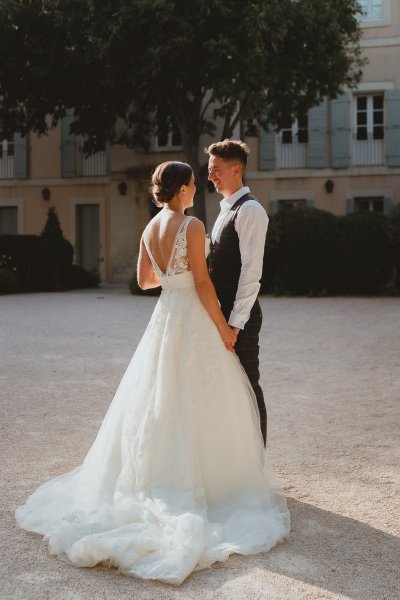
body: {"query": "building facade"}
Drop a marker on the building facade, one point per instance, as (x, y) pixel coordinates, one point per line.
(344, 157)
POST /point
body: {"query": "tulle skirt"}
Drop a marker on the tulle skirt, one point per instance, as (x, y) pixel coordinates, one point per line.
(176, 478)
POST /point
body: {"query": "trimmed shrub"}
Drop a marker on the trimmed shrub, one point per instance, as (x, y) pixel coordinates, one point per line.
(24, 251)
(56, 255)
(363, 262)
(394, 243)
(313, 252)
(300, 252)
(44, 263)
(8, 281)
(76, 277)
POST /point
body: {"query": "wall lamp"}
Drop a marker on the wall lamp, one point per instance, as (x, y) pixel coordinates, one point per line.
(46, 193)
(122, 188)
(329, 185)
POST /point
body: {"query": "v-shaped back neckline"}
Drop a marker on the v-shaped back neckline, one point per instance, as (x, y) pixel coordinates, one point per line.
(153, 260)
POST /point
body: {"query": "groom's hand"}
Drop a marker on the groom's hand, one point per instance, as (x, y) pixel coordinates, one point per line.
(235, 331)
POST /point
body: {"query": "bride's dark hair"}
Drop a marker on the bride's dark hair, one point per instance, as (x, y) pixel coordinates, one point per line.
(167, 180)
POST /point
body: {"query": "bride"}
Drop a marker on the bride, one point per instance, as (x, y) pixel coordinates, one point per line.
(176, 477)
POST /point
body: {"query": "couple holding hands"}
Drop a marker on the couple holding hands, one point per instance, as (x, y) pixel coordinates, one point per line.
(176, 478)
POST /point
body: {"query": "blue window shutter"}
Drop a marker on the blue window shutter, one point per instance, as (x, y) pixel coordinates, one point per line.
(267, 158)
(317, 127)
(310, 203)
(68, 147)
(20, 157)
(387, 205)
(340, 131)
(274, 206)
(351, 206)
(392, 98)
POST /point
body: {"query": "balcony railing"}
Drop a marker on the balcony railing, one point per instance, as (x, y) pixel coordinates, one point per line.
(94, 164)
(91, 165)
(368, 152)
(6, 160)
(291, 156)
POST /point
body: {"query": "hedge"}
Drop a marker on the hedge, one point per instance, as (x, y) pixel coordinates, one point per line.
(312, 252)
(32, 263)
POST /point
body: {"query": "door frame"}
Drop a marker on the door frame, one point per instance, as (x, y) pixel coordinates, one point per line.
(73, 203)
(17, 203)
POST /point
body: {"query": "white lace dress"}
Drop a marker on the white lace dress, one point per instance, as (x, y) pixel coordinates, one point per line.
(176, 478)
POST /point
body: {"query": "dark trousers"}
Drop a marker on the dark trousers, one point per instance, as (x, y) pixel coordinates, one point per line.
(247, 348)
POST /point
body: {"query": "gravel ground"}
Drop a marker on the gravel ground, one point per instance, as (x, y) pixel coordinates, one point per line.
(331, 376)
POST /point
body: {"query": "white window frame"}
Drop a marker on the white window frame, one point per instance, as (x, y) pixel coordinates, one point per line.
(294, 129)
(369, 151)
(384, 18)
(370, 114)
(169, 146)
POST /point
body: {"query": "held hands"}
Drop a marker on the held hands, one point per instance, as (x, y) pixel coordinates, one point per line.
(228, 336)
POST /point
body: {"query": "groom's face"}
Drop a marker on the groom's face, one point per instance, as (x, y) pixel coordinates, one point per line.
(223, 173)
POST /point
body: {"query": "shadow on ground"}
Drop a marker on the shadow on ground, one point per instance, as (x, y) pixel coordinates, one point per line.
(327, 550)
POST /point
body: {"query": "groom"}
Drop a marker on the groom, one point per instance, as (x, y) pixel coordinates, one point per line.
(236, 257)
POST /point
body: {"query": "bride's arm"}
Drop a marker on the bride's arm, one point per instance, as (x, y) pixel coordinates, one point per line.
(146, 276)
(204, 287)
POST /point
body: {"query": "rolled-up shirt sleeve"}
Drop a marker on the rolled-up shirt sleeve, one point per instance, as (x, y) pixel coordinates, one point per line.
(251, 225)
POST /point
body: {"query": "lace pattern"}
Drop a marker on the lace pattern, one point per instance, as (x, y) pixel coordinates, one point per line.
(178, 261)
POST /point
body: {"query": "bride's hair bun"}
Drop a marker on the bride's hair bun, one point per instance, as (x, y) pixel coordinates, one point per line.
(167, 180)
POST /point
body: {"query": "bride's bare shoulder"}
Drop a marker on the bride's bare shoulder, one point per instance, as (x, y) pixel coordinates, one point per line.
(196, 227)
(154, 223)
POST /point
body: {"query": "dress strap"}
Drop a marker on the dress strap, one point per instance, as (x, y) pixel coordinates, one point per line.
(186, 224)
(153, 262)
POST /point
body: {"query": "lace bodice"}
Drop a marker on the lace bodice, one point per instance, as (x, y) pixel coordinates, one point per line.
(178, 262)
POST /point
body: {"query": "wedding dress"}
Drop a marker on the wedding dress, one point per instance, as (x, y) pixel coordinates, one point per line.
(176, 477)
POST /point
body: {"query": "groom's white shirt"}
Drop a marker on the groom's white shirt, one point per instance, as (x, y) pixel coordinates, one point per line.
(251, 225)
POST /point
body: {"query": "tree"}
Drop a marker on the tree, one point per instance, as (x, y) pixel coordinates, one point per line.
(128, 65)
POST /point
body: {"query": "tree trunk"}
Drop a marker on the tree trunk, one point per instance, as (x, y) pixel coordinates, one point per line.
(200, 200)
(191, 149)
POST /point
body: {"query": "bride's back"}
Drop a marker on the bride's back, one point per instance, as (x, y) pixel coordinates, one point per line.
(160, 236)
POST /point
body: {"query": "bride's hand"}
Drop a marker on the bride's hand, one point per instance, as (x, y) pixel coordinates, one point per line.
(228, 337)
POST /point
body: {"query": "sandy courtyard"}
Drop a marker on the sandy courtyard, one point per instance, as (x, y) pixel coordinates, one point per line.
(331, 377)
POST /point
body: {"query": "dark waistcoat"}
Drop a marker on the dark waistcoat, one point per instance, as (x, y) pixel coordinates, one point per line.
(224, 261)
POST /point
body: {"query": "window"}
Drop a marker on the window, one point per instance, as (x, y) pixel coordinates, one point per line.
(369, 117)
(372, 10)
(291, 144)
(368, 130)
(297, 203)
(8, 220)
(369, 204)
(295, 131)
(168, 136)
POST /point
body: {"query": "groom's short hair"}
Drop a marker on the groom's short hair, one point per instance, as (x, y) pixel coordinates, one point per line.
(230, 150)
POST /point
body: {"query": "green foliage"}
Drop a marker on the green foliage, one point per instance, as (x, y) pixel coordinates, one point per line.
(137, 291)
(76, 277)
(394, 241)
(126, 61)
(300, 258)
(25, 253)
(8, 281)
(312, 252)
(54, 246)
(36, 268)
(364, 264)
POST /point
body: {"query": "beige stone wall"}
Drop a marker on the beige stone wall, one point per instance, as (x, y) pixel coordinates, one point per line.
(124, 217)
